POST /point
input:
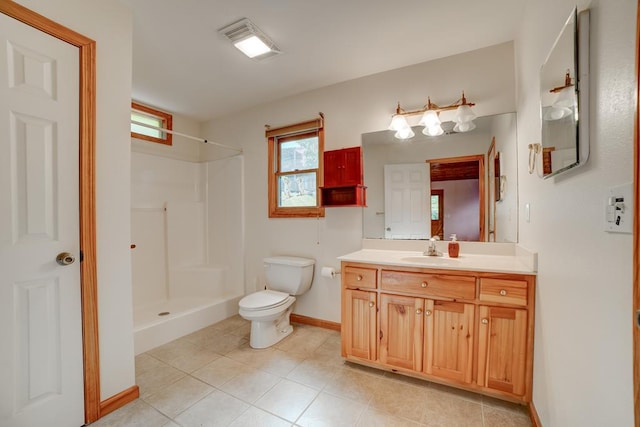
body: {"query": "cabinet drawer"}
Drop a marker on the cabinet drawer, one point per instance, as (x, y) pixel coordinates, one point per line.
(359, 277)
(504, 291)
(435, 285)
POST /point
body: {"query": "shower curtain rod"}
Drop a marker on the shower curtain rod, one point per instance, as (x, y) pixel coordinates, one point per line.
(195, 138)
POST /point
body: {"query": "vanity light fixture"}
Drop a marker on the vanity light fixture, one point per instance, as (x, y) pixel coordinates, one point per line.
(565, 98)
(431, 118)
(249, 39)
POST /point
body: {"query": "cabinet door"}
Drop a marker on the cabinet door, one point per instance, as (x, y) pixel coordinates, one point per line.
(359, 332)
(333, 166)
(352, 169)
(448, 347)
(502, 349)
(401, 329)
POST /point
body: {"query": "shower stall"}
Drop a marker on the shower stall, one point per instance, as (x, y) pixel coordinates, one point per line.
(187, 254)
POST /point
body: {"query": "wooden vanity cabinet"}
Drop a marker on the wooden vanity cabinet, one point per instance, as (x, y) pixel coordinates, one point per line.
(472, 330)
(449, 339)
(401, 331)
(359, 327)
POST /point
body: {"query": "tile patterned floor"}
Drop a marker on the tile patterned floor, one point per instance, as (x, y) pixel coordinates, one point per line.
(213, 378)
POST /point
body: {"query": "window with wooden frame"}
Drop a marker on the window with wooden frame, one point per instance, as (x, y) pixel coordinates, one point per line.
(151, 116)
(295, 169)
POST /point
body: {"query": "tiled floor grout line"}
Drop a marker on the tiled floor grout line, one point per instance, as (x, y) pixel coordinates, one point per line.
(314, 359)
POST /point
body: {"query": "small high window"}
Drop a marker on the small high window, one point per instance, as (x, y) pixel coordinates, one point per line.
(151, 116)
(295, 169)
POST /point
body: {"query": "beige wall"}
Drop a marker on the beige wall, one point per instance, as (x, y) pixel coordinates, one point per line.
(583, 346)
(350, 108)
(109, 23)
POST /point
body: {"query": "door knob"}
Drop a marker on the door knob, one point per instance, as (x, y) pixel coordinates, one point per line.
(65, 258)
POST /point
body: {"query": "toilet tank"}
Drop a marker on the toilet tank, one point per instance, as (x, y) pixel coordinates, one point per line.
(289, 274)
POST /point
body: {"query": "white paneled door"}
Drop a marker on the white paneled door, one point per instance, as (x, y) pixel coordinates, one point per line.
(407, 201)
(41, 371)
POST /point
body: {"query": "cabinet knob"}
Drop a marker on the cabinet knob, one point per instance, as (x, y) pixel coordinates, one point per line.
(503, 292)
(359, 278)
(371, 303)
(427, 313)
(485, 321)
(418, 311)
(424, 284)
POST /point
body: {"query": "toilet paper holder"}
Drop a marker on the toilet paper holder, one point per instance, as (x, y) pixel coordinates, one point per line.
(329, 272)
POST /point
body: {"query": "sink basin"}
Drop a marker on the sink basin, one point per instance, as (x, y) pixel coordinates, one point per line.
(431, 260)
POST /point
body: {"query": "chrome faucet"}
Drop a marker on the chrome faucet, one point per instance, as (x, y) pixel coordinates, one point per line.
(431, 249)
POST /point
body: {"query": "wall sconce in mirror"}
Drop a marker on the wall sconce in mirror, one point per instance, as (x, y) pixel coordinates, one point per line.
(463, 118)
(564, 101)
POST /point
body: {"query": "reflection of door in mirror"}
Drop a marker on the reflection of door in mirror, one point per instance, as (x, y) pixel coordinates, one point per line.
(407, 201)
(493, 163)
(462, 182)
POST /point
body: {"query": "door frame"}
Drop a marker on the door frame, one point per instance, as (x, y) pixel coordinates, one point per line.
(481, 185)
(636, 236)
(88, 269)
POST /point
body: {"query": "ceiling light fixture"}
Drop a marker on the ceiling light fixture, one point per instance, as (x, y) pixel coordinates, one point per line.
(249, 39)
(431, 118)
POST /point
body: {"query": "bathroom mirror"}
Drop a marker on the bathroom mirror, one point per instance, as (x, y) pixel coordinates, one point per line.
(564, 99)
(445, 196)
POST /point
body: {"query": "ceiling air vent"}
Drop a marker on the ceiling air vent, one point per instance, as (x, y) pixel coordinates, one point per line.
(249, 39)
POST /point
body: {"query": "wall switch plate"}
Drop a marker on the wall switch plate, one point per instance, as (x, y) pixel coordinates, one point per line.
(619, 209)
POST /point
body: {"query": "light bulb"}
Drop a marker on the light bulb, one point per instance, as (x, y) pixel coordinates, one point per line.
(464, 126)
(398, 122)
(435, 130)
(566, 98)
(430, 118)
(405, 133)
(556, 113)
(464, 114)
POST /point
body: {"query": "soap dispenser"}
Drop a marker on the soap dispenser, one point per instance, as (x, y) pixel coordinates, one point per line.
(454, 247)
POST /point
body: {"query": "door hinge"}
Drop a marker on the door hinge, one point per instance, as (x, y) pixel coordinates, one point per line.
(638, 318)
(81, 255)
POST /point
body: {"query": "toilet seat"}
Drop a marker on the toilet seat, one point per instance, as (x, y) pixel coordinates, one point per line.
(263, 300)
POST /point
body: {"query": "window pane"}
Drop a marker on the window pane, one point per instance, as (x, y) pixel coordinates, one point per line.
(149, 120)
(435, 208)
(297, 190)
(299, 154)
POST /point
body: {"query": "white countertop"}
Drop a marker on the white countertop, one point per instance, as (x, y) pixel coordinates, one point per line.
(520, 262)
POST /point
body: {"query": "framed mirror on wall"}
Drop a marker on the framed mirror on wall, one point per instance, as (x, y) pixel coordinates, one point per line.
(439, 185)
(564, 99)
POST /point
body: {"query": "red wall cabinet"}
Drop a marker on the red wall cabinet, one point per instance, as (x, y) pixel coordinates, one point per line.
(343, 167)
(343, 181)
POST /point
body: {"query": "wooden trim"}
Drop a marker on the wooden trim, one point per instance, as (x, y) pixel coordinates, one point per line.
(481, 185)
(293, 212)
(167, 123)
(119, 400)
(88, 269)
(533, 415)
(295, 128)
(636, 236)
(326, 324)
(491, 154)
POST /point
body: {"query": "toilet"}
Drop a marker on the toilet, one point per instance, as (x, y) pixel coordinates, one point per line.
(269, 310)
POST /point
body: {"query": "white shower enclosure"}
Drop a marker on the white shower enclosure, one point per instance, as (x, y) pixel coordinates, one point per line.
(188, 260)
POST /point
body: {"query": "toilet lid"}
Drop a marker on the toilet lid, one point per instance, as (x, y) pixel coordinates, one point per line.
(263, 300)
